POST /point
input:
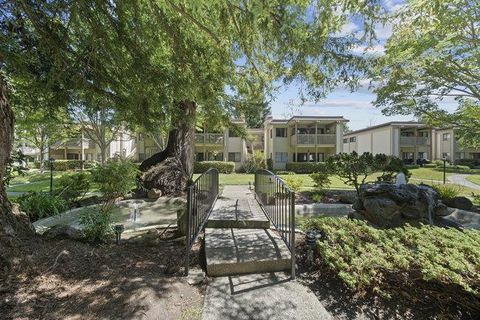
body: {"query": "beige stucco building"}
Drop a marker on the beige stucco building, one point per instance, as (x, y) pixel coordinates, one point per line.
(409, 141)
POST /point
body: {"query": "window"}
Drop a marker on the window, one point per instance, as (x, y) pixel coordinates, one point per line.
(423, 134)
(200, 156)
(407, 134)
(353, 139)
(234, 156)
(345, 140)
(280, 132)
(446, 155)
(320, 157)
(422, 155)
(232, 134)
(446, 136)
(214, 156)
(281, 156)
(270, 133)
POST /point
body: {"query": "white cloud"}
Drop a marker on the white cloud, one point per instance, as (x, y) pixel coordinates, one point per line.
(376, 50)
(383, 31)
(348, 29)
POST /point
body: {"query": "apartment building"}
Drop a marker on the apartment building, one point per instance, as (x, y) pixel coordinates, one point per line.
(298, 139)
(446, 146)
(409, 141)
(302, 139)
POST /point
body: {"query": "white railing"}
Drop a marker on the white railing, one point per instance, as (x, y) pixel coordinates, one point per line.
(209, 138)
(310, 139)
(409, 141)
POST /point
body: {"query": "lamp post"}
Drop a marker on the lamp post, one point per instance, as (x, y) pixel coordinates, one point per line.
(444, 169)
(52, 161)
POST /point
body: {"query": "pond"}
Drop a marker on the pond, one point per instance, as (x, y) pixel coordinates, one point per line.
(151, 214)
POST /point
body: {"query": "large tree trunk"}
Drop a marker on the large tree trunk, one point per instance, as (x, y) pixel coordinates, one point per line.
(13, 224)
(170, 170)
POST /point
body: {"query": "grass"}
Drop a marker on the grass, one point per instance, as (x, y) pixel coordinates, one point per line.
(34, 180)
(475, 178)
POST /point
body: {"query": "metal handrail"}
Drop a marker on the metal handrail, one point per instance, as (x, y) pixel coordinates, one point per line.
(278, 203)
(201, 197)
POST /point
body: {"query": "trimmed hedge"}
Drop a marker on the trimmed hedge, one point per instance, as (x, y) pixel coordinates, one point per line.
(221, 166)
(64, 165)
(305, 167)
(471, 163)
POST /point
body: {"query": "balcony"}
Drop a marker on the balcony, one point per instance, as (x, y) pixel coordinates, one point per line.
(209, 138)
(412, 141)
(312, 139)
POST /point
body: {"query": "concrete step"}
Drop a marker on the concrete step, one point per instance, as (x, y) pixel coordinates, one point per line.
(246, 213)
(232, 251)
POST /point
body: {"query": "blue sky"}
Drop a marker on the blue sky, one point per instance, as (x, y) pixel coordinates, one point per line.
(354, 106)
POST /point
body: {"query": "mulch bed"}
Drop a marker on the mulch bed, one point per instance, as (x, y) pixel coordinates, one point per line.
(59, 279)
(345, 303)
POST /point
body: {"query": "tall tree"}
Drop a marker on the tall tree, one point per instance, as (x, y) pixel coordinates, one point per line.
(432, 56)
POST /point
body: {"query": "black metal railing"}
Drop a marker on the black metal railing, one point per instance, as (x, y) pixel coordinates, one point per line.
(201, 196)
(278, 203)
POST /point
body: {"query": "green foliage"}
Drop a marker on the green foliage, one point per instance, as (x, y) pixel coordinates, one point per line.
(115, 178)
(305, 167)
(14, 167)
(38, 205)
(270, 164)
(65, 165)
(382, 260)
(74, 186)
(471, 163)
(97, 223)
(447, 191)
(353, 169)
(428, 58)
(476, 199)
(392, 166)
(294, 183)
(321, 180)
(254, 162)
(221, 166)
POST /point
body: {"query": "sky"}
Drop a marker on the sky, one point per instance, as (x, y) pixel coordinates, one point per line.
(354, 106)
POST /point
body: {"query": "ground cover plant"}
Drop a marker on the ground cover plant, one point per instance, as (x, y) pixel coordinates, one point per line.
(38, 205)
(408, 263)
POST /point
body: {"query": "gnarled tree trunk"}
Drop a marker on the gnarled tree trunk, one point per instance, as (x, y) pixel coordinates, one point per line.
(170, 169)
(13, 224)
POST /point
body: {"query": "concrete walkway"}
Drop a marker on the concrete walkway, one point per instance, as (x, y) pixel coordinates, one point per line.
(267, 296)
(461, 180)
(246, 258)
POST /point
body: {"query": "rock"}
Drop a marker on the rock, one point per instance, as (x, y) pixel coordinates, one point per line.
(348, 197)
(154, 194)
(64, 232)
(389, 205)
(459, 203)
(441, 210)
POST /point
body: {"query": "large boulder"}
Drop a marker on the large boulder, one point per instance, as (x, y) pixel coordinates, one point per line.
(64, 232)
(459, 203)
(389, 205)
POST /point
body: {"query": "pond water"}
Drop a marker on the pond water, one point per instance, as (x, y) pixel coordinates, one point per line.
(151, 214)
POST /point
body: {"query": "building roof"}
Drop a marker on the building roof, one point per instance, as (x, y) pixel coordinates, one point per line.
(307, 118)
(387, 124)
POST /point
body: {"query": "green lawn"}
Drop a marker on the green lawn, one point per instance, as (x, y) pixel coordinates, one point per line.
(475, 178)
(34, 180)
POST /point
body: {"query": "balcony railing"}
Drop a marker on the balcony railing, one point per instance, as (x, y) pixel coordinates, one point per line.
(309, 139)
(410, 141)
(209, 138)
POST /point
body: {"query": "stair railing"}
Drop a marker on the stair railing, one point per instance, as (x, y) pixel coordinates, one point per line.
(278, 202)
(201, 196)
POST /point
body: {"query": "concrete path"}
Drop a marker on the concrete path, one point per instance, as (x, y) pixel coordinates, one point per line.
(461, 180)
(267, 296)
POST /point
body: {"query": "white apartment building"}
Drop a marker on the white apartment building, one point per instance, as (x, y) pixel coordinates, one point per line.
(298, 139)
(409, 141)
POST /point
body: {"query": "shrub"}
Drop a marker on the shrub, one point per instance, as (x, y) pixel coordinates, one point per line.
(430, 165)
(412, 166)
(38, 205)
(283, 172)
(305, 167)
(391, 167)
(476, 199)
(321, 180)
(471, 163)
(97, 223)
(270, 164)
(254, 162)
(384, 260)
(447, 191)
(221, 166)
(115, 178)
(74, 186)
(438, 163)
(294, 183)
